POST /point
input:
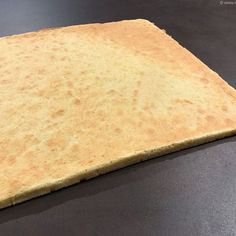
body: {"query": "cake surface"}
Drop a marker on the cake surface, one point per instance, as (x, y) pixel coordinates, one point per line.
(80, 101)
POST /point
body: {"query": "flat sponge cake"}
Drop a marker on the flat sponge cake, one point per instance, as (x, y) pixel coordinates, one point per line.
(80, 101)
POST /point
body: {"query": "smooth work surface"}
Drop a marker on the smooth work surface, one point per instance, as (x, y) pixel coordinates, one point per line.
(191, 192)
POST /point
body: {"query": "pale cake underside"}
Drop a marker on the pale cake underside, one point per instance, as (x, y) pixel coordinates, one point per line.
(80, 101)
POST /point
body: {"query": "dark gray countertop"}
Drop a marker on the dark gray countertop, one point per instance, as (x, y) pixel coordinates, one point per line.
(191, 192)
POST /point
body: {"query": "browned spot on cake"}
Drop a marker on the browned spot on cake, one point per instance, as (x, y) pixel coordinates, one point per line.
(77, 101)
(139, 83)
(87, 88)
(36, 172)
(55, 83)
(90, 161)
(27, 57)
(14, 184)
(117, 101)
(102, 118)
(210, 118)
(28, 77)
(29, 154)
(183, 101)
(11, 111)
(60, 43)
(89, 112)
(224, 108)
(59, 162)
(30, 138)
(140, 123)
(59, 112)
(5, 81)
(41, 71)
(51, 125)
(35, 107)
(131, 121)
(55, 49)
(228, 121)
(117, 130)
(24, 87)
(56, 142)
(146, 107)
(41, 92)
(111, 92)
(134, 100)
(11, 160)
(150, 132)
(101, 115)
(200, 110)
(204, 80)
(227, 90)
(63, 59)
(69, 93)
(69, 84)
(135, 93)
(46, 166)
(52, 57)
(120, 113)
(3, 156)
(75, 148)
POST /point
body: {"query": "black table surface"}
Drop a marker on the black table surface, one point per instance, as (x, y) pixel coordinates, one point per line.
(191, 192)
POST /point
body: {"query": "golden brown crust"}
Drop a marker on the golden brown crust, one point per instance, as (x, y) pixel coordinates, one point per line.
(80, 101)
